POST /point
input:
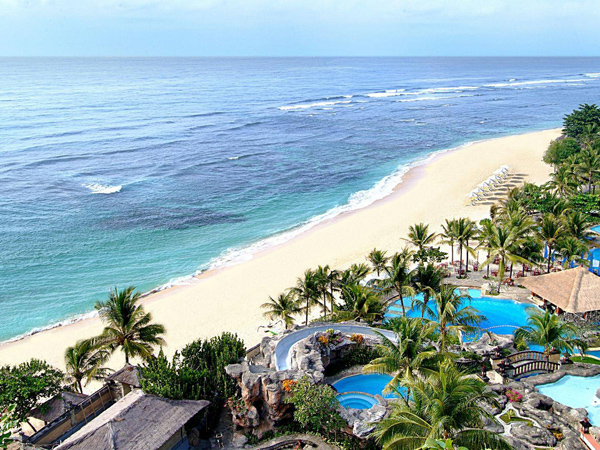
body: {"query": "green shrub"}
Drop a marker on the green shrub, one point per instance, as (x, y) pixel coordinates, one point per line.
(358, 355)
(315, 407)
(197, 373)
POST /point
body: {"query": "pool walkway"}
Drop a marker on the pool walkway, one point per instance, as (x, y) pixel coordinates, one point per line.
(589, 441)
(284, 346)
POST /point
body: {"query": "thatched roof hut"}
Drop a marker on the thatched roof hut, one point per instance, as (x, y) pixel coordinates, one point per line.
(57, 406)
(138, 421)
(574, 290)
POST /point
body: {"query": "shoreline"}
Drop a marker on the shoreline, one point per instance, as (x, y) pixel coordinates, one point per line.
(447, 194)
(403, 173)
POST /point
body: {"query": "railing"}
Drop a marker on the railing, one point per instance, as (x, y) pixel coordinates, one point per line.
(527, 355)
(534, 366)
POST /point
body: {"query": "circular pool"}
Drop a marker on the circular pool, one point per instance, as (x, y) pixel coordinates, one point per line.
(357, 400)
(359, 391)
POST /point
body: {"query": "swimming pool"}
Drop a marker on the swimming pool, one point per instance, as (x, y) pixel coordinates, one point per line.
(576, 392)
(503, 316)
(361, 389)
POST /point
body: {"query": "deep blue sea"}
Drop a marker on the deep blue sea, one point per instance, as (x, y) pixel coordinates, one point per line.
(145, 171)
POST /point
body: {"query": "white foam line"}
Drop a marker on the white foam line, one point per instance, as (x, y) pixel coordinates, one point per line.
(234, 256)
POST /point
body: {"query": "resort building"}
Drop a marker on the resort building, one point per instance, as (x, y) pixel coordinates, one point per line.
(118, 416)
(139, 422)
(575, 291)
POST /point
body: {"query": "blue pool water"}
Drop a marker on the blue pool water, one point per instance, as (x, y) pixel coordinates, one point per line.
(576, 392)
(357, 400)
(359, 390)
(503, 316)
(596, 229)
(146, 170)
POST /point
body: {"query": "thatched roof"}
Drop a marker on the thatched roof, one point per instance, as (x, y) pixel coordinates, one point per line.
(127, 375)
(574, 290)
(138, 421)
(57, 406)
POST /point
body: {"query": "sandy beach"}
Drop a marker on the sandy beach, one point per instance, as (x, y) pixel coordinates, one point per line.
(229, 299)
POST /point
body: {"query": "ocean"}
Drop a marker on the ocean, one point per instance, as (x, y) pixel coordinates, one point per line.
(145, 171)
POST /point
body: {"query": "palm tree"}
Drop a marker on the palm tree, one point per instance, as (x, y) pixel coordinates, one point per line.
(563, 181)
(452, 317)
(486, 235)
(447, 404)
(399, 277)
(412, 351)
(576, 224)
(322, 276)
(127, 325)
(360, 302)
(530, 250)
(588, 166)
(549, 331)
(550, 231)
(520, 226)
(378, 260)
(284, 307)
(572, 250)
(307, 291)
(504, 244)
(427, 281)
(465, 230)
(420, 237)
(84, 361)
(449, 235)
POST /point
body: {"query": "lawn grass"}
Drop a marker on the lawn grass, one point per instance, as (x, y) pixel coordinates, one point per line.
(585, 359)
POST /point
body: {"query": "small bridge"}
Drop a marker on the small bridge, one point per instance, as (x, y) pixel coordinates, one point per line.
(528, 361)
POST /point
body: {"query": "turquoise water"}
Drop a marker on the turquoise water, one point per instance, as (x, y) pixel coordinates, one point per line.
(357, 400)
(503, 316)
(576, 392)
(596, 229)
(145, 171)
(357, 391)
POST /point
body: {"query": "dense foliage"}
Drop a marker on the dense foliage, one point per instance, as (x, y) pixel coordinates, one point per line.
(560, 150)
(197, 373)
(579, 122)
(26, 385)
(315, 407)
(358, 355)
(6, 424)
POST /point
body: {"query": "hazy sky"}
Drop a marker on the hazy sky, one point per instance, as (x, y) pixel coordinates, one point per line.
(299, 27)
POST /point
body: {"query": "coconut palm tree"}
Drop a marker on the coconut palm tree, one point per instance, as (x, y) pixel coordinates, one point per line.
(322, 275)
(307, 291)
(530, 249)
(449, 235)
(563, 181)
(466, 230)
(378, 260)
(576, 224)
(427, 281)
(399, 277)
(83, 363)
(284, 307)
(420, 237)
(551, 332)
(452, 316)
(588, 166)
(572, 250)
(127, 326)
(486, 235)
(447, 404)
(549, 232)
(360, 303)
(504, 244)
(411, 352)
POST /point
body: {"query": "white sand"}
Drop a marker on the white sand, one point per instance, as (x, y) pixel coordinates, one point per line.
(230, 299)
